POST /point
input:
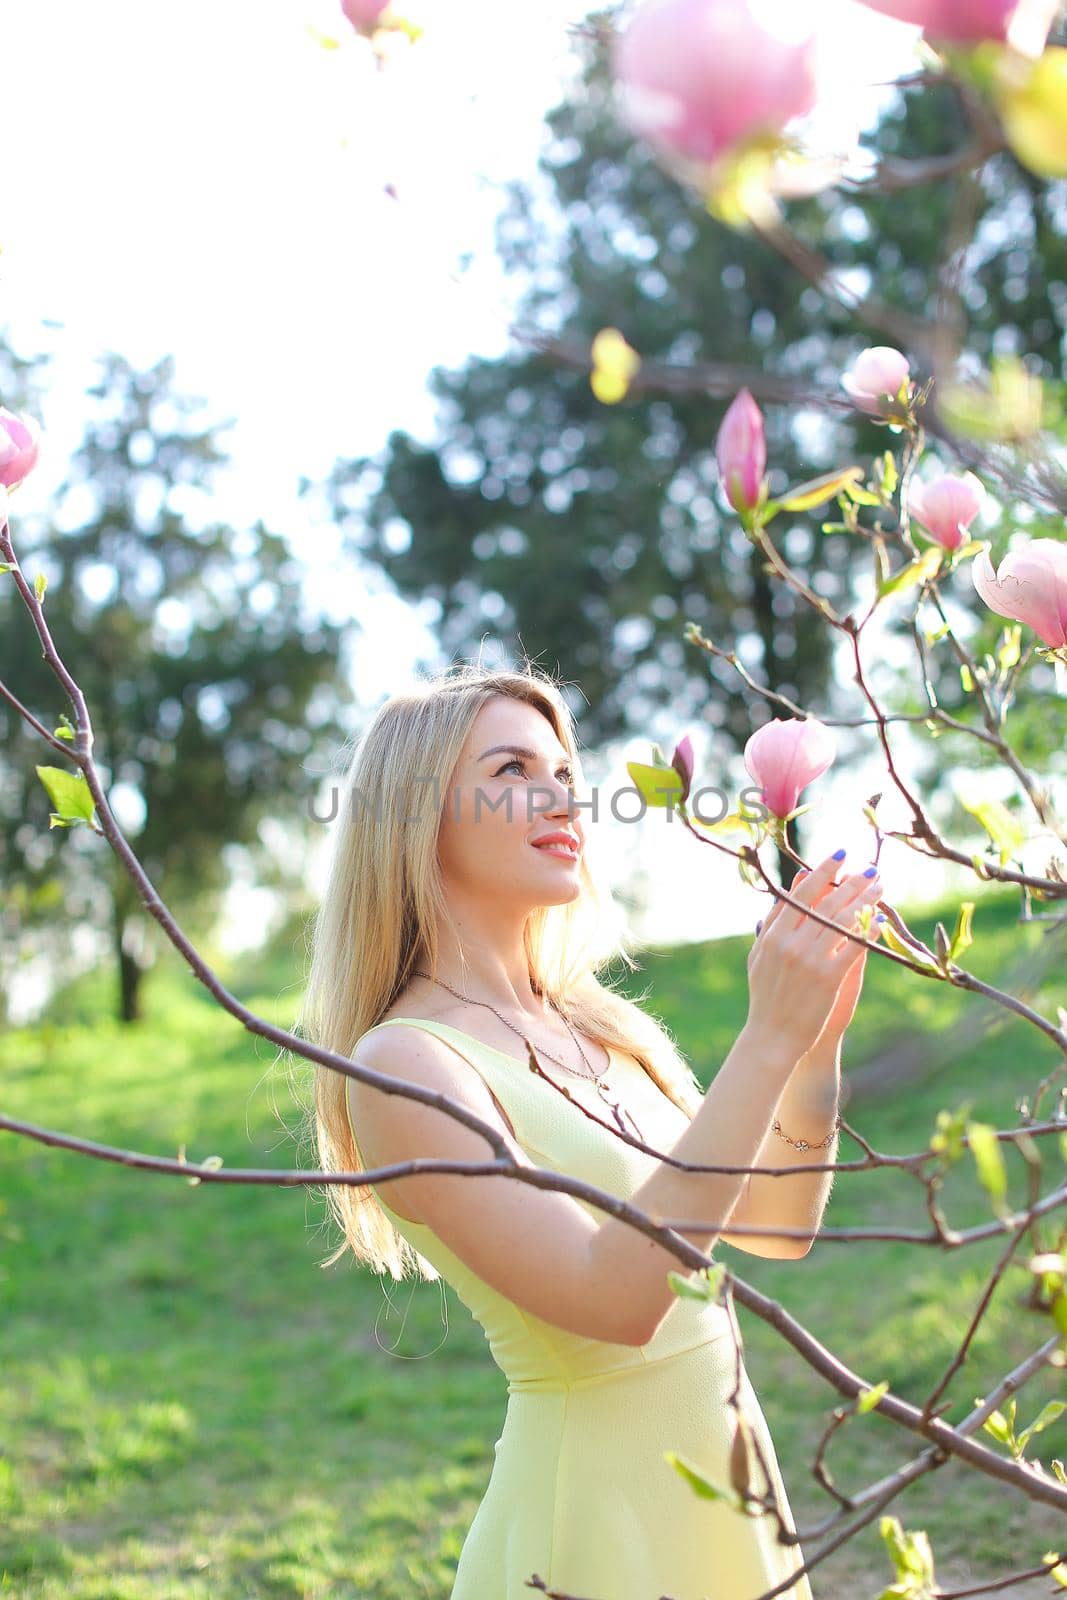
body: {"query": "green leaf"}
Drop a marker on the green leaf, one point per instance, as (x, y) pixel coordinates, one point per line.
(862, 497)
(949, 1137)
(70, 794)
(892, 938)
(989, 1160)
(699, 1483)
(1059, 1313)
(927, 565)
(1010, 651)
(870, 1397)
(702, 1285)
(890, 477)
(733, 822)
(1006, 833)
(40, 584)
(961, 934)
(997, 1424)
(818, 490)
(1049, 1413)
(658, 786)
(209, 1164)
(5, 568)
(1059, 1571)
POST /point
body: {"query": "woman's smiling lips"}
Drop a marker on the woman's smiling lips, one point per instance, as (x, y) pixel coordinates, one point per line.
(563, 845)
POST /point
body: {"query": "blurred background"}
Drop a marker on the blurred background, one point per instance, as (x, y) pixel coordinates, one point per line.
(271, 301)
(267, 298)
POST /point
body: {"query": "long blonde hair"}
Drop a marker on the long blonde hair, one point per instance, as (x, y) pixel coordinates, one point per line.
(380, 911)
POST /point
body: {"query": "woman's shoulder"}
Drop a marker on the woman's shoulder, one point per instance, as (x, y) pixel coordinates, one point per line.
(418, 1003)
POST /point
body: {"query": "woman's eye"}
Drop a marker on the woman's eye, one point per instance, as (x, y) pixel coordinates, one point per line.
(565, 772)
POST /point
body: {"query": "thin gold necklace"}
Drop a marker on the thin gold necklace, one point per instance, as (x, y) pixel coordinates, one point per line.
(596, 1078)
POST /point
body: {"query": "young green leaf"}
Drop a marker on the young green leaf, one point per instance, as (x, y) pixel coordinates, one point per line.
(70, 794)
(989, 1161)
(919, 571)
(699, 1483)
(658, 786)
(818, 490)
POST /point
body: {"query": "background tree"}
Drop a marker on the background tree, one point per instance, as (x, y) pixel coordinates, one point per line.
(211, 684)
(589, 533)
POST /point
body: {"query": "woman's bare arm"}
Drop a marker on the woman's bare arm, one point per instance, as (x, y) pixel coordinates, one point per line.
(727, 1130)
(544, 1251)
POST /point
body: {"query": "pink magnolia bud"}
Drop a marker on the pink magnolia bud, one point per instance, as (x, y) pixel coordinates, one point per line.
(785, 755)
(741, 451)
(363, 14)
(1024, 24)
(876, 373)
(20, 438)
(697, 78)
(1030, 586)
(682, 762)
(947, 506)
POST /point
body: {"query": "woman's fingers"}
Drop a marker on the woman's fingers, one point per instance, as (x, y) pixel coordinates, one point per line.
(824, 874)
(807, 887)
(833, 900)
(847, 916)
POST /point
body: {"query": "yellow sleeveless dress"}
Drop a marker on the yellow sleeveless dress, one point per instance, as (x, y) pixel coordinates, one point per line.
(580, 1493)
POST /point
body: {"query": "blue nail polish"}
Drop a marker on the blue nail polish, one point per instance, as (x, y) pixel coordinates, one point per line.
(759, 925)
(871, 872)
(879, 916)
(838, 855)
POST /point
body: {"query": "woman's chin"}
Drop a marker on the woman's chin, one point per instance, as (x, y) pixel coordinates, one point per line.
(561, 895)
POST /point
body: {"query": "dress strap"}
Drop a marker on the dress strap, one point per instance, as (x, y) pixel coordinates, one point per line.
(474, 1052)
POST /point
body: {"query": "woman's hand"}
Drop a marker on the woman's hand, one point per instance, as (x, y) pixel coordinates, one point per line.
(805, 979)
(844, 1007)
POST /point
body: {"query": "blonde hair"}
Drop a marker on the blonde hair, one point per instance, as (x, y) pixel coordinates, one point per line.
(379, 915)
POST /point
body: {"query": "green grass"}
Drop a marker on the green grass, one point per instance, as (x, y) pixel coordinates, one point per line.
(189, 1406)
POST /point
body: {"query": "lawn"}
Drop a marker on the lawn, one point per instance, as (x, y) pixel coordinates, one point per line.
(190, 1406)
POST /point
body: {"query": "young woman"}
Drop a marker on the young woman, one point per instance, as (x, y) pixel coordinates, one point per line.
(463, 917)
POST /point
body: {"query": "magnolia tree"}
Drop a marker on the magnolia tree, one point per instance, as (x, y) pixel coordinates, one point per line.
(713, 88)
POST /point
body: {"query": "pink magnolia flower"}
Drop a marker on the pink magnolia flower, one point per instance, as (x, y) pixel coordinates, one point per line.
(741, 451)
(1030, 586)
(363, 14)
(947, 506)
(785, 755)
(1024, 24)
(697, 78)
(876, 373)
(20, 438)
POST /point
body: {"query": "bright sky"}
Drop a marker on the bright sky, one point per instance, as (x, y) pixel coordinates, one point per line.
(207, 180)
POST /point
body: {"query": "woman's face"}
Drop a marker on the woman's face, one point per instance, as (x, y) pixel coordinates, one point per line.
(500, 803)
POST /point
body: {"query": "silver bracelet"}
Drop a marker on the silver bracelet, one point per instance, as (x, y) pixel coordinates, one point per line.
(805, 1144)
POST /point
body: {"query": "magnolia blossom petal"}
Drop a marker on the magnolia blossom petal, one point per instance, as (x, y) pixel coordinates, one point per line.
(1024, 24)
(698, 77)
(1030, 586)
(363, 14)
(19, 444)
(785, 755)
(947, 506)
(877, 372)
